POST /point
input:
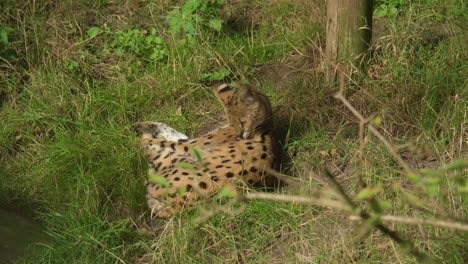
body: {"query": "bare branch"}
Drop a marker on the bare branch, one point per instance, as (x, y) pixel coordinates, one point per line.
(404, 243)
(417, 221)
(297, 199)
(374, 131)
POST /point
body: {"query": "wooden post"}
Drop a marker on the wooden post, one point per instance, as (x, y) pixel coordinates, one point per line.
(349, 31)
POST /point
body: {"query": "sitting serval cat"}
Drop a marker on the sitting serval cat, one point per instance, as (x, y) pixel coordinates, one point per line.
(242, 150)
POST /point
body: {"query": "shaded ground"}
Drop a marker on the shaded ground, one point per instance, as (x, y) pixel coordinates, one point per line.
(18, 234)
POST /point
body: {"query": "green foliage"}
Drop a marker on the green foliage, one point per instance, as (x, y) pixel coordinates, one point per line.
(434, 180)
(157, 179)
(217, 75)
(4, 34)
(185, 165)
(71, 65)
(141, 48)
(369, 192)
(93, 31)
(140, 43)
(181, 190)
(198, 154)
(5, 38)
(389, 8)
(226, 192)
(193, 14)
(456, 165)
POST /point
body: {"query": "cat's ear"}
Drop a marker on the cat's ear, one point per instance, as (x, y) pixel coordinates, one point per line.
(222, 88)
(247, 94)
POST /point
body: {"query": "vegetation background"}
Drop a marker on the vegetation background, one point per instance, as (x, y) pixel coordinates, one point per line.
(76, 75)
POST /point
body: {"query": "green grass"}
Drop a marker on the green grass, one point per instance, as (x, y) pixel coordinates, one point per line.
(70, 157)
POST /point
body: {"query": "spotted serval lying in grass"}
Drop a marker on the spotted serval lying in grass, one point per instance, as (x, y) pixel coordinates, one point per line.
(239, 152)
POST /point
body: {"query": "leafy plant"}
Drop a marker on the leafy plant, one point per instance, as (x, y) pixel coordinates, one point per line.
(4, 34)
(388, 8)
(138, 42)
(4, 40)
(71, 65)
(93, 31)
(217, 75)
(193, 13)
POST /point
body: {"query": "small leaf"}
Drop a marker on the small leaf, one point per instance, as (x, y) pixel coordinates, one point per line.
(93, 31)
(198, 154)
(185, 165)
(428, 172)
(4, 37)
(464, 189)
(433, 180)
(182, 42)
(181, 190)
(460, 179)
(71, 65)
(413, 177)
(375, 206)
(8, 29)
(392, 11)
(369, 192)
(189, 28)
(226, 191)
(158, 40)
(119, 51)
(157, 179)
(384, 204)
(195, 18)
(374, 220)
(217, 75)
(153, 56)
(215, 24)
(432, 189)
(190, 6)
(381, 11)
(377, 120)
(176, 22)
(456, 165)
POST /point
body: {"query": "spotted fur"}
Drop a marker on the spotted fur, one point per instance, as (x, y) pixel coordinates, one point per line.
(237, 153)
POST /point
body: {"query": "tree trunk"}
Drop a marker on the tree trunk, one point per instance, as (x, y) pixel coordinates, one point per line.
(349, 30)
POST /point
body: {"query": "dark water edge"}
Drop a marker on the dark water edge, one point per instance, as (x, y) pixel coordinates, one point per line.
(19, 235)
